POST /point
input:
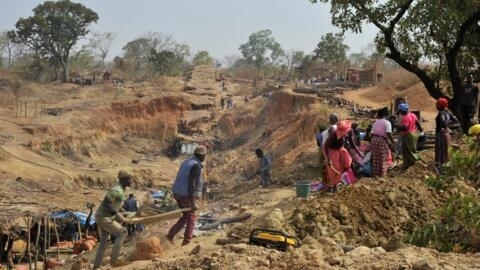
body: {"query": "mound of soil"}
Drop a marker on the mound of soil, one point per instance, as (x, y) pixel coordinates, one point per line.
(373, 211)
(147, 249)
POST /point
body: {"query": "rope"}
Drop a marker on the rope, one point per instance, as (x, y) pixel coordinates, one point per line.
(36, 163)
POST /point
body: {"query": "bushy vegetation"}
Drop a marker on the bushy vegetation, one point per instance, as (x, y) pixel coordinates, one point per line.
(48, 146)
(457, 229)
(463, 165)
(459, 219)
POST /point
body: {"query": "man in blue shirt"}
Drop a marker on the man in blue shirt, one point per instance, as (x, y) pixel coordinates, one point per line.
(187, 189)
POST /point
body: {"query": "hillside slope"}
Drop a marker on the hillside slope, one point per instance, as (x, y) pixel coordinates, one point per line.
(66, 160)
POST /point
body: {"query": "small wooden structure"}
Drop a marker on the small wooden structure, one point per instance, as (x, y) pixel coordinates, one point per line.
(29, 107)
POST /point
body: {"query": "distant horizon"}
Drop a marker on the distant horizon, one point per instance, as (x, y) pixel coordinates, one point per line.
(216, 26)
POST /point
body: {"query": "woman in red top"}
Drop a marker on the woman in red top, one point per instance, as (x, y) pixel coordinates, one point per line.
(408, 135)
(337, 157)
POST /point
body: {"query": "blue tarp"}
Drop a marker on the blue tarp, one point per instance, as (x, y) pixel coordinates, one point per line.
(157, 194)
(66, 214)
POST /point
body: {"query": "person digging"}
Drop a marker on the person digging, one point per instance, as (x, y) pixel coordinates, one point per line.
(109, 221)
(187, 189)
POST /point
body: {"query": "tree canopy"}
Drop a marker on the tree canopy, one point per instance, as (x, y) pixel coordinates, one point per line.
(54, 28)
(202, 58)
(331, 49)
(414, 31)
(153, 54)
(100, 43)
(261, 48)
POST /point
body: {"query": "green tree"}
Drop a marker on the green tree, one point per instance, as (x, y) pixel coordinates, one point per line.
(82, 60)
(101, 43)
(331, 49)
(170, 62)
(261, 48)
(55, 29)
(202, 58)
(411, 31)
(307, 67)
(138, 53)
(7, 46)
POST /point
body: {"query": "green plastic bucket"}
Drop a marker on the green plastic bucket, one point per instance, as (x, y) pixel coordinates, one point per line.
(303, 188)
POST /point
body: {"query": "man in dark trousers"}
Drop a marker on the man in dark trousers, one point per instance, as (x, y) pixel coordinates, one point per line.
(187, 189)
(468, 103)
(265, 164)
(109, 221)
(131, 205)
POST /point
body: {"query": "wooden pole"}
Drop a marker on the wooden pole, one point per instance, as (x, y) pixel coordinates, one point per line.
(36, 243)
(58, 238)
(25, 108)
(29, 223)
(79, 229)
(48, 232)
(45, 222)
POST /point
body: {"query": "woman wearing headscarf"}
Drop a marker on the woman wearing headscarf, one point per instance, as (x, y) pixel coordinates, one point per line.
(442, 134)
(408, 135)
(381, 143)
(337, 157)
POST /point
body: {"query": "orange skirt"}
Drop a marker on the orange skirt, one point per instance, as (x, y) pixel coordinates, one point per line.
(341, 161)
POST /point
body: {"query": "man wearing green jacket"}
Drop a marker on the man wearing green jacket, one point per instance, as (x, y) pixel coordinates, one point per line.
(109, 220)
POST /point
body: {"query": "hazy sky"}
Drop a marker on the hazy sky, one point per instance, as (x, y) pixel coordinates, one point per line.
(217, 26)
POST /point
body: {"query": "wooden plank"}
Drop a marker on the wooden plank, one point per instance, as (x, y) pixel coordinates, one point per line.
(159, 217)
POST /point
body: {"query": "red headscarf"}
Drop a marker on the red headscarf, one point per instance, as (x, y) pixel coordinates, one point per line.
(343, 127)
(442, 103)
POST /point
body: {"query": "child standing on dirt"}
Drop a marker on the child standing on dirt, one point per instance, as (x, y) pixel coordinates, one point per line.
(131, 205)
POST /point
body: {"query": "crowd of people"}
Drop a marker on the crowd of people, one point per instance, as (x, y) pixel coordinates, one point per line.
(344, 153)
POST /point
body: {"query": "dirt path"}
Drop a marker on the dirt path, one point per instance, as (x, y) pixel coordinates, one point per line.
(417, 97)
